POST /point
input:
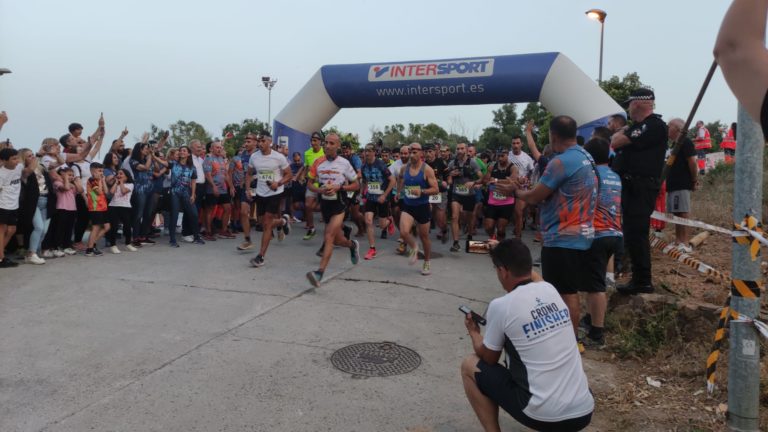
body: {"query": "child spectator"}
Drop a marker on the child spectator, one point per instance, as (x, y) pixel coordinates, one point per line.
(66, 209)
(96, 199)
(120, 210)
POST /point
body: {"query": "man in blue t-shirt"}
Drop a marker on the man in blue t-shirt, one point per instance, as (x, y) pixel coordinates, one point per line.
(566, 195)
(378, 184)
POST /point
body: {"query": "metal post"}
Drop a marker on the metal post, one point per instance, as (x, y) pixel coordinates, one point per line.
(744, 354)
(269, 109)
(602, 30)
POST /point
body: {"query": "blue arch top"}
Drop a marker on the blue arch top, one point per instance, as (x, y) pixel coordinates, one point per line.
(469, 81)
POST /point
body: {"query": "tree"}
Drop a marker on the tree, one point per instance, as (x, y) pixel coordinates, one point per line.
(392, 136)
(620, 89)
(505, 126)
(716, 130)
(541, 118)
(422, 133)
(346, 138)
(183, 132)
(239, 131)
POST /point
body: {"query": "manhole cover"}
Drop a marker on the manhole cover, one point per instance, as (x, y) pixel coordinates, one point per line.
(375, 359)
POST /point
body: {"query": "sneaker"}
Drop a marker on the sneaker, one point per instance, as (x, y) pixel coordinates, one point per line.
(80, 246)
(287, 225)
(58, 253)
(48, 254)
(187, 239)
(33, 259)
(147, 241)
(209, 237)
(257, 261)
(69, 251)
(631, 288)
(136, 244)
(295, 220)
(588, 342)
(391, 226)
(425, 269)
(371, 254)
(280, 234)
(315, 277)
(347, 231)
(580, 345)
(310, 233)
(114, 249)
(226, 235)
(244, 246)
(354, 252)
(97, 252)
(400, 248)
(89, 252)
(131, 248)
(456, 247)
(413, 255)
(173, 244)
(7, 263)
(198, 241)
(320, 251)
(684, 248)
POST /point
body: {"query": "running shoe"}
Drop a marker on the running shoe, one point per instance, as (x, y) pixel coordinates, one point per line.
(287, 225)
(257, 261)
(146, 241)
(354, 252)
(7, 263)
(226, 235)
(48, 254)
(80, 246)
(280, 234)
(413, 255)
(69, 251)
(33, 259)
(173, 244)
(588, 342)
(391, 226)
(244, 246)
(97, 252)
(209, 237)
(425, 269)
(131, 247)
(89, 252)
(198, 241)
(58, 253)
(310, 233)
(114, 249)
(400, 248)
(456, 247)
(315, 277)
(371, 254)
(187, 239)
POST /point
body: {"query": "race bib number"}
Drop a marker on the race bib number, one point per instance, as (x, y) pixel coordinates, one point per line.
(412, 192)
(435, 199)
(374, 188)
(461, 189)
(499, 196)
(266, 176)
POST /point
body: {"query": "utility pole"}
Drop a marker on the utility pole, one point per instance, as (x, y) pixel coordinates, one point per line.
(744, 354)
(269, 84)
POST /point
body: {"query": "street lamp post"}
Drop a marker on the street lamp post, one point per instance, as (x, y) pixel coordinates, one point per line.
(269, 84)
(599, 15)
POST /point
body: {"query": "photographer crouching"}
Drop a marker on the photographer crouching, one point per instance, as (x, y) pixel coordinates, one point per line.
(544, 386)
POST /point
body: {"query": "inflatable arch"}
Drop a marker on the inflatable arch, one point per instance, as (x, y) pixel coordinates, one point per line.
(549, 78)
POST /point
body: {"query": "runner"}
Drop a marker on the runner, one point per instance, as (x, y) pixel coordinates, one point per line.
(353, 198)
(310, 199)
(272, 173)
(402, 157)
(335, 176)
(500, 207)
(438, 201)
(378, 184)
(238, 168)
(417, 182)
(525, 166)
(463, 173)
(218, 187)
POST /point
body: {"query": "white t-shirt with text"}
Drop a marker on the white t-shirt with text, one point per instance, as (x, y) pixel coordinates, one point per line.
(268, 168)
(10, 187)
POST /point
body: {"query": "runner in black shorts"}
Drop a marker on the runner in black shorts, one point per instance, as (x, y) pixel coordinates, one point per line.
(335, 176)
(378, 182)
(463, 174)
(500, 208)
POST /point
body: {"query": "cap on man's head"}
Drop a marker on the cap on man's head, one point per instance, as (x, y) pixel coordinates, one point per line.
(318, 135)
(640, 94)
(266, 134)
(428, 147)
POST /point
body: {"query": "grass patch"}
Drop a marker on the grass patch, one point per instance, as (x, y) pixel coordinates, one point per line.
(642, 335)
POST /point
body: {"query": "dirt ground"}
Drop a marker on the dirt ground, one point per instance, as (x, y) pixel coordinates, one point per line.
(664, 389)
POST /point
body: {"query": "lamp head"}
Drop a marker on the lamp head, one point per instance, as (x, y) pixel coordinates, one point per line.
(596, 14)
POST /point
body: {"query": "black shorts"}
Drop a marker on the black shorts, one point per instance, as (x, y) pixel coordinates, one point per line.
(98, 217)
(597, 260)
(498, 384)
(565, 269)
(330, 208)
(379, 210)
(270, 204)
(298, 192)
(212, 200)
(467, 202)
(422, 213)
(499, 212)
(241, 195)
(9, 217)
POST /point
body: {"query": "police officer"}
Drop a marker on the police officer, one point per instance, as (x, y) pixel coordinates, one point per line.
(639, 162)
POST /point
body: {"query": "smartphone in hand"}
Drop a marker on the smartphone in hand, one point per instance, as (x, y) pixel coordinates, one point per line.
(475, 317)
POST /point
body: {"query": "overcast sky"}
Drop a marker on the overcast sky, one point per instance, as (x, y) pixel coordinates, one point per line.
(143, 62)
